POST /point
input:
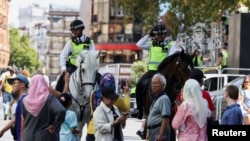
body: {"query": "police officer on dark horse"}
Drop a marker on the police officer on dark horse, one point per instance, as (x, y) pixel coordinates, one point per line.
(76, 44)
(158, 45)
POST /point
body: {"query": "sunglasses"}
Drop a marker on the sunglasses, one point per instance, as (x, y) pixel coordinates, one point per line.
(246, 82)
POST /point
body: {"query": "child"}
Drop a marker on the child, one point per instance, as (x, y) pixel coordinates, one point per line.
(232, 114)
(69, 126)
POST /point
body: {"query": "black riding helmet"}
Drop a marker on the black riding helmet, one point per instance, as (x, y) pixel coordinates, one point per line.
(76, 24)
(159, 29)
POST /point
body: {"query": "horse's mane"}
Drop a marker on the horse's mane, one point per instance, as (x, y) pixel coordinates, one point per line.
(87, 57)
(166, 61)
(184, 57)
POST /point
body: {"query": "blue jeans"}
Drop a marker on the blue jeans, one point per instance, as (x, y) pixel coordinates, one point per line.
(7, 98)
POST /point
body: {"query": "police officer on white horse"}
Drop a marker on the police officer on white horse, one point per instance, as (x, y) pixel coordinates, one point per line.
(77, 43)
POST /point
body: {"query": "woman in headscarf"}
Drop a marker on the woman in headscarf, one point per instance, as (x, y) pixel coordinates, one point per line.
(191, 118)
(42, 113)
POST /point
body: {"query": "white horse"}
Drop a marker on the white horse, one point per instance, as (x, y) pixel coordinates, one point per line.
(82, 82)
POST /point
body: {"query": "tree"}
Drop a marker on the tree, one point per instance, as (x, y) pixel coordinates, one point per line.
(186, 12)
(22, 55)
(144, 11)
(138, 68)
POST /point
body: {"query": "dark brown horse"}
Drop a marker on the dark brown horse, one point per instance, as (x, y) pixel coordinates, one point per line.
(176, 69)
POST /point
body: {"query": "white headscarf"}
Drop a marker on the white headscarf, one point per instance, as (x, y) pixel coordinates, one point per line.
(192, 95)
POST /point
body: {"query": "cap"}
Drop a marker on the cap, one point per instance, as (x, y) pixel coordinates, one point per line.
(21, 78)
(109, 92)
(196, 74)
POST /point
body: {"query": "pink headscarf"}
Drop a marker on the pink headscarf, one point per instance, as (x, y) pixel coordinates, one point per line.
(37, 95)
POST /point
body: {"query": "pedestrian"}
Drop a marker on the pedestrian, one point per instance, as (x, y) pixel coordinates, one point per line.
(68, 128)
(159, 116)
(76, 44)
(199, 76)
(232, 115)
(108, 121)
(27, 74)
(43, 70)
(6, 91)
(20, 85)
(223, 59)
(190, 120)
(42, 113)
(244, 99)
(123, 104)
(197, 58)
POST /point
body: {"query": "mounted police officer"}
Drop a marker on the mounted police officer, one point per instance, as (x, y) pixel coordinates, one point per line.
(158, 45)
(76, 44)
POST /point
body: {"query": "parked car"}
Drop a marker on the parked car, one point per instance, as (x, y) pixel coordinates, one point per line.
(214, 82)
(218, 95)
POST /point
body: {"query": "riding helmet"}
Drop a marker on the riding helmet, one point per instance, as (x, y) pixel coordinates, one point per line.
(159, 29)
(76, 24)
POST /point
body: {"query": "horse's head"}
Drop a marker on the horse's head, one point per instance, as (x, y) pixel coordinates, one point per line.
(87, 68)
(176, 69)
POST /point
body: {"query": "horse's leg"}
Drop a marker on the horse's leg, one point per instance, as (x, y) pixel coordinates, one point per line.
(85, 121)
(145, 128)
(80, 126)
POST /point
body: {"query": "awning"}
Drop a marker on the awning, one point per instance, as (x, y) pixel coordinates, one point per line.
(117, 46)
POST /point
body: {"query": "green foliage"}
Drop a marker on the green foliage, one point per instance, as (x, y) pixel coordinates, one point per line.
(138, 68)
(187, 12)
(22, 55)
(191, 12)
(145, 11)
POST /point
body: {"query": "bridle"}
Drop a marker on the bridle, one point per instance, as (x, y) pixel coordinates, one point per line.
(82, 106)
(80, 74)
(180, 71)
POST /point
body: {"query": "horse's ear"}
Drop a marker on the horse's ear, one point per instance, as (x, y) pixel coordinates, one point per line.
(98, 54)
